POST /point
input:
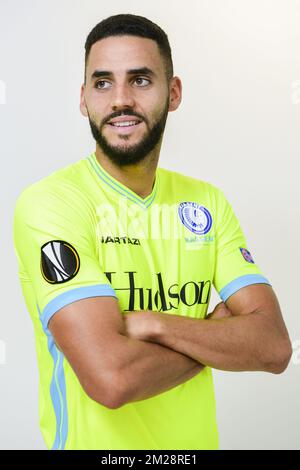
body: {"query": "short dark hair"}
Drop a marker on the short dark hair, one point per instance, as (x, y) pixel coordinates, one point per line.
(133, 25)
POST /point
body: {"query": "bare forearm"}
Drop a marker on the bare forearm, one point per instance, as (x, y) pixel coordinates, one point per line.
(148, 369)
(234, 344)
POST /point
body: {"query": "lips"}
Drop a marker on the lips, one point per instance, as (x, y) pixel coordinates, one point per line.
(124, 121)
(127, 128)
(125, 124)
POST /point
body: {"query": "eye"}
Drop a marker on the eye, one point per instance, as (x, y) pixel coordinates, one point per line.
(142, 79)
(101, 87)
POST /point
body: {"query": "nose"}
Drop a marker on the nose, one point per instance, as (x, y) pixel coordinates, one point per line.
(122, 97)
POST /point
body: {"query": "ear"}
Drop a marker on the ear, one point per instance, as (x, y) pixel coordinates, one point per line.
(82, 106)
(175, 93)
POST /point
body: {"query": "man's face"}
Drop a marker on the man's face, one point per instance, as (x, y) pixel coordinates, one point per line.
(126, 97)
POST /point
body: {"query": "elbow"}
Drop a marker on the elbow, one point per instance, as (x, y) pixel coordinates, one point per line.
(107, 391)
(281, 357)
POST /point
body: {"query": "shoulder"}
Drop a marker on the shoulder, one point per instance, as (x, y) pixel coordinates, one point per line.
(60, 192)
(62, 185)
(190, 184)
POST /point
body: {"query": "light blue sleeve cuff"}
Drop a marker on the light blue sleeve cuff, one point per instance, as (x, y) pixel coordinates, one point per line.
(240, 282)
(73, 295)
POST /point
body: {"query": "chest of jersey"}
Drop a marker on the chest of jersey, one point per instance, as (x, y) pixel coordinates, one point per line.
(155, 262)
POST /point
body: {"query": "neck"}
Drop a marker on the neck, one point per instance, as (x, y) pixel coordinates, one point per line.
(139, 177)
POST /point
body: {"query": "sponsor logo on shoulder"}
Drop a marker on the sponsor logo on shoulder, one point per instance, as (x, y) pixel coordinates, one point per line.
(59, 261)
(246, 255)
(195, 217)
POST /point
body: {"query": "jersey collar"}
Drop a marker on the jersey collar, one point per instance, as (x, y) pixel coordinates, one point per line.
(121, 188)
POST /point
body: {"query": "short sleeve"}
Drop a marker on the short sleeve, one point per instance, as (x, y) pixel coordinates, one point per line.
(235, 267)
(55, 243)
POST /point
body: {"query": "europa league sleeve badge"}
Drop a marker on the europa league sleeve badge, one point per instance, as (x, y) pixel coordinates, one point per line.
(59, 261)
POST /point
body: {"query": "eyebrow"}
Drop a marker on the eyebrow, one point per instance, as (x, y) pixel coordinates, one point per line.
(139, 71)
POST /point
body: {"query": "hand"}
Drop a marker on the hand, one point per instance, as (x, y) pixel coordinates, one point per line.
(141, 324)
(220, 311)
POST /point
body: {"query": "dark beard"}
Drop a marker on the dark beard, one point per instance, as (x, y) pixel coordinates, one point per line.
(135, 153)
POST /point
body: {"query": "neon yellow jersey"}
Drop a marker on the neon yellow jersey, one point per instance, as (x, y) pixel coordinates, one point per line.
(80, 233)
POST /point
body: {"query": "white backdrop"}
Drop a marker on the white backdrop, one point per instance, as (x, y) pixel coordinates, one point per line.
(237, 127)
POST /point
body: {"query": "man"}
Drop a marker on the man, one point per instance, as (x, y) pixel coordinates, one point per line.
(117, 259)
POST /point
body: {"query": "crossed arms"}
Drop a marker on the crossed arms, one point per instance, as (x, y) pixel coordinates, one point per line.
(120, 358)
